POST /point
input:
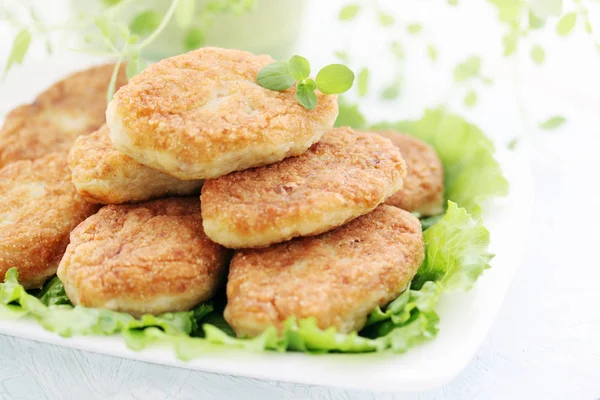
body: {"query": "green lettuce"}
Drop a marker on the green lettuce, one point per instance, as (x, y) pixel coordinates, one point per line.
(456, 254)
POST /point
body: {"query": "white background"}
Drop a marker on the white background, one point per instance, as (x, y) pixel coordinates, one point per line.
(546, 340)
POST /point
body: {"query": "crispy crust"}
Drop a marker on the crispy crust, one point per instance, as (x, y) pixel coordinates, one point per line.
(150, 257)
(69, 108)
(38, 209)
(201, 115)
(423, 189)
(101, 174)
(338, 277)
(343, 176)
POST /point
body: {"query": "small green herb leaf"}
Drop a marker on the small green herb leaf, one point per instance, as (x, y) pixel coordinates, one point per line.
(468, 69)
(553, 123)
(414, 28)
(194, 38)
(513, 143)
(19, 49)
(335, 79)
(134, 66)
(432, 53)
(453, 2)
(306, 97)
(184, 13)
(386, 19)
(538, 54)
(363, 81)
(309, 83)
(566, 24)
(470, 99)
(349, 12)
(275, 76)
(145, 22)
(299, 67)
(110, 2)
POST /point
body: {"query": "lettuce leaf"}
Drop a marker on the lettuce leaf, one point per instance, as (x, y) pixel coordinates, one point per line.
(66, 320)
(456, 254)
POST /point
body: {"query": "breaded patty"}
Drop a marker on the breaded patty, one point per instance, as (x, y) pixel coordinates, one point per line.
(202, 115)
(345, 175)
(151, 257)
(338, 277)
(423, 189)
(67, 109)
(39, 207)
(102, 174)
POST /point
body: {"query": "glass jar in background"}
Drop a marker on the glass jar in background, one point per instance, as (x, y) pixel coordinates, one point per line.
(271, 27)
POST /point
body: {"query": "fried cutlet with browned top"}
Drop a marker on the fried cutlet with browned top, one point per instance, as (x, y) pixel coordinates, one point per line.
(345, 175)
(151, 257)
(338, 277)
(201, 115)
(69, 108)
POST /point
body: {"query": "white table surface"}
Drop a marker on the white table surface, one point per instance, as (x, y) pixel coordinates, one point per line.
(546, 340)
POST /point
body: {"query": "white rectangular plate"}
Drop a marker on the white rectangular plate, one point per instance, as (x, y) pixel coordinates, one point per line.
(465, 319)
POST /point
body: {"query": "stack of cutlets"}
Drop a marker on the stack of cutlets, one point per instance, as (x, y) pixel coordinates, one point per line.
(290, 206)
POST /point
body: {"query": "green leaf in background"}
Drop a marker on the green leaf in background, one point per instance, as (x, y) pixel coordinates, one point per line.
(509, 11)
(414, 29)
(546, 8)
(349, 12)
(306, 97)
(432, 53)
(362, 81)
(145, 22)
(471, 174)
(184, 13)
(194, 38)
(509, 42)
(470, 98)
(385, 19)
(350, 115)
(335, 79)
(535, 22)
(566, 24)
(19, 49)
(453, 2)
(275, 76)
(538, 54)
(110, 2)
(513, 144)
(134, 66)
(398, 50)
(391, 92)
(588, 26)
(468, 69)
(553, 123)
(343, 56)
(299, 67)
